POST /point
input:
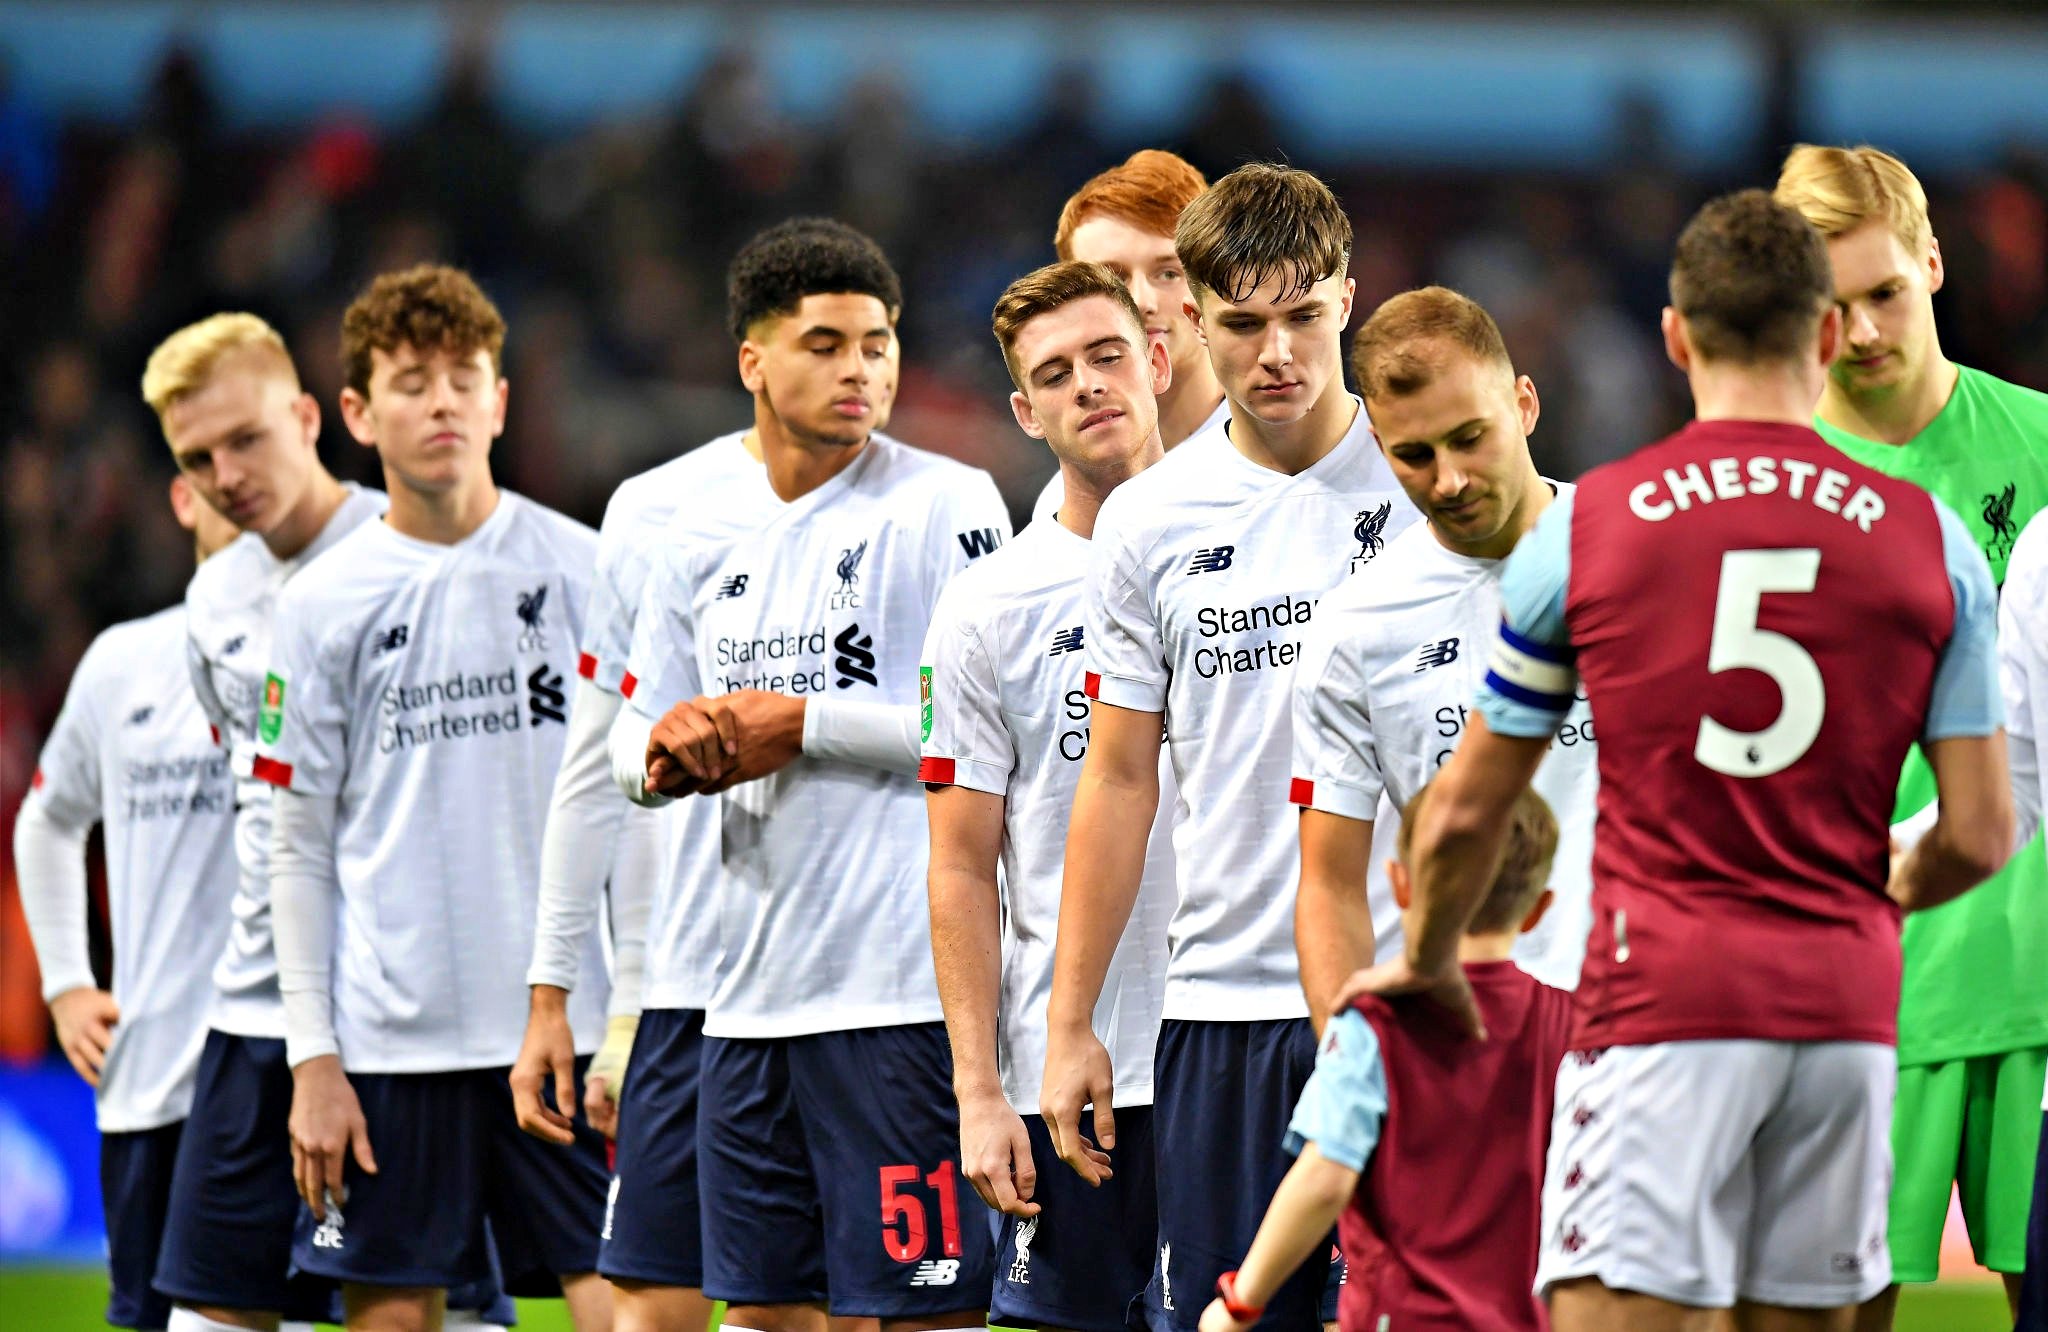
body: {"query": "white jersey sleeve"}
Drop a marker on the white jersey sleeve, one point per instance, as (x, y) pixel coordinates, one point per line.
(302, 717)
(1125, 653)
(63, 804)
(661, 667)
(1336, 759)
(963, 739)
(584, 814)
(2023, 671)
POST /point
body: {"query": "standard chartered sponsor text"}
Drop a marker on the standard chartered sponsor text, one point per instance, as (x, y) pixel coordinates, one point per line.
(499, 691)
(782, 662)
(209, 796)
(1260, 617)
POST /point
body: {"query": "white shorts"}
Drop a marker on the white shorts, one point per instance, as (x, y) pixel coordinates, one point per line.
(1701, 1172)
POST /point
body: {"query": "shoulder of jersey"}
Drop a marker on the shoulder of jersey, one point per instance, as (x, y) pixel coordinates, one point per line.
(579, 538)
(646, 499)
(142, 643)
(2005, 388)
(1194, 470)
(233, 576)
(1016, 569)
(899, 464)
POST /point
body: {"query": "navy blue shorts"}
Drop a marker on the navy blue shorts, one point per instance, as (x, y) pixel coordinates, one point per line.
(2034, 1286)
(227, 1238)
(1223, 1094)
(455, 1172)
(1083, 1261)
(830, 1170)
(652, 1229)
(135, 1193)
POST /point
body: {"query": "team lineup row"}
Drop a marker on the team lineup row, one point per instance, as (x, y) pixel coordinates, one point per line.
(869, 953)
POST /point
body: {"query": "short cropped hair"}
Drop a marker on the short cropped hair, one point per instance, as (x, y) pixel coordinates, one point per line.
(1044, 290)
(1524, 871)
(428, 307)
(1752, 279)
(805, 256)
(1395, 352)
(1261, 222)
(1148, 191)
(1840, 189)
(182, 363)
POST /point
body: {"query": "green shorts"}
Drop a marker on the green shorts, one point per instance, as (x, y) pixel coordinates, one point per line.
(1972, 1125)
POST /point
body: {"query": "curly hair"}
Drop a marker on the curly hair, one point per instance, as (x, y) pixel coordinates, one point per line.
(805, 256)
(428, 307)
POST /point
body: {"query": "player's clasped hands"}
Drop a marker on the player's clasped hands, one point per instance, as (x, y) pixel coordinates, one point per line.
(712, 743)
(327, 1124)
(1078, 1074)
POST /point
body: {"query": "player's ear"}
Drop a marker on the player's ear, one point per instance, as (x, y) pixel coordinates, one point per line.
(307, 410)
(1344, 308)
(1527, 405)
(498, 415)
(355, 414)
(1161, 364)
(1193, 310)
(750, 358)
(1537, 912)
(184, 503)
(1027, 416)
(1830, 335)
(1937, 268)
(1675, 346)
(1397, 876)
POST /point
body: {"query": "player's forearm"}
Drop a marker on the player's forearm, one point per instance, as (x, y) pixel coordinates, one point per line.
(638, 862)
(1332, 937)
(873, 735)
(49, 860)
(303, 890)
(1311, 1197)
(1941, 867)
(577, 848)
(1104, 868)
(967, 955)
(1972, 835)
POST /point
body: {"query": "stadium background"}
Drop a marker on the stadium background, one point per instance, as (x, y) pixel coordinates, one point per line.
(595, 166)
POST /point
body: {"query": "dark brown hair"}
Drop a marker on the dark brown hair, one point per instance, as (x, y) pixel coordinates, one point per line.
(428, 307)
(1044, 290)
(1524, 869)
(1148, 191)
(1392, 356)
(1261, 222)
(1751, 279)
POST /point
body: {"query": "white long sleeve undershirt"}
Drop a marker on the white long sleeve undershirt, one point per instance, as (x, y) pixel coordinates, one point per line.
(49, 859)
(303, 896)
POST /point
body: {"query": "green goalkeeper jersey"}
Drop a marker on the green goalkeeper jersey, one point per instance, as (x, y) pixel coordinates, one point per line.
(1976, 977)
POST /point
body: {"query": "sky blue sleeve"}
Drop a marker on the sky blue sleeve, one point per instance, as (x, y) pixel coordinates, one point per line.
(1966, 699)
(1530, 681)
(1342, 1106)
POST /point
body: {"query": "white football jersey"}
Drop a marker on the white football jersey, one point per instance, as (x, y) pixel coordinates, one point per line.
(1207, 570)
(423, 686)
(1004, 713)
(711, 495)
(1384, 692)
(131, 751)
(1047, 505)
(822, 906)
(229, 605)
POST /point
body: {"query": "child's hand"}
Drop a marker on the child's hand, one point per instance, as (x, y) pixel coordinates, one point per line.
(1216, 1318)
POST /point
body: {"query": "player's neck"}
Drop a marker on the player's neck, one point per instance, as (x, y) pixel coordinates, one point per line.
(1730, 391)
(442, 517)
(308, 518)
(1300, 444)
(1083, 489)
(1486, 948)
(1188, 402)
(798, 466)
(1895, 415)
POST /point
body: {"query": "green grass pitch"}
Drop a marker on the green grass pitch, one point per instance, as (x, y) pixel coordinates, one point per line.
(72, 1300)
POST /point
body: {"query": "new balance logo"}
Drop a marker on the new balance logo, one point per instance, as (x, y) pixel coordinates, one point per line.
(979, 542)
(1436, 654)
(544, 698)
(1211, 559)
(1066, 640)
(856, 660)
(233, 645)
(936, 1272)
(142, 714)
(733, 586)
(390, 640)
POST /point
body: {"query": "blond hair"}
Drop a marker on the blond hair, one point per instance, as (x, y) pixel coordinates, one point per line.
(182, 363)
(1524, 870)
(1840, 189)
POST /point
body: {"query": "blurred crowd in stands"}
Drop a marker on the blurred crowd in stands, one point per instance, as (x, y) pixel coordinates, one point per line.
(607, 251)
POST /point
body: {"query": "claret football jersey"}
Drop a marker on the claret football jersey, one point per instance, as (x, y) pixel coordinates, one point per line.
(1004, 713)
(1383, 695)
(822, 916)
(130, 751)
(425, 688)
(229, 606)
(1207, 570)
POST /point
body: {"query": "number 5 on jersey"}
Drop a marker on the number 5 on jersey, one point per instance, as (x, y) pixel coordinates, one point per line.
(1739, 644)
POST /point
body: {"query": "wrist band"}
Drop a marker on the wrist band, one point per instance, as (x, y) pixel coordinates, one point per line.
(1226, 1290)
